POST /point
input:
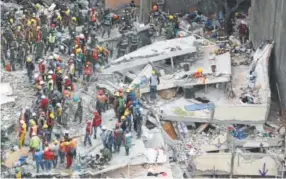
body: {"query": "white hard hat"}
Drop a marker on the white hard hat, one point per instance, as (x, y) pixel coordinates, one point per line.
(243, 22)
(40, 60)
(81, 36)
(50, 72)
(66, 77)
(43, 96)
(33, 114)
(51, 57)
(72, 55)
(103, 128)
(58, 104)
(49, 77)
(36, 75)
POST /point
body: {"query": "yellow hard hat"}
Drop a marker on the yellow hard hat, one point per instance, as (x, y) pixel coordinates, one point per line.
(52, 115)
(29, 22)
(123, 117)
(60, 71)
(73, 18)
(126, 113)
(67, 143)
(171, 17)
(59, 17)
(19, 27)
(29, 59)
(38, 6)
(100, 49)
(78, 50)
(67, 12)
(55, 142)
(117, 93)
(153, 72)
(200, 70)
(45, 126)
(11, 20)
(32, 122)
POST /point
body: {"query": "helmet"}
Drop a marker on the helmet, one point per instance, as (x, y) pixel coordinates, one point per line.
(34, 114)
(123, 118)
(17, 170)
(51, 57)
(200, 70)
(126, 113)
(171, 17)
(49, 77)
(29, 59)
(58, 104)
(73, 18)
(52, 115)
(153, 72)
(38, 27)
(72, 55)
(43, 96)
(81, 36)
(66, 77)
(55, 142)
(45, 126)
(60, 71)
(75, 99)
(117, 93)
(115, 17)
(103, 128)
(100, 49)
(41, 60)
(32, 122)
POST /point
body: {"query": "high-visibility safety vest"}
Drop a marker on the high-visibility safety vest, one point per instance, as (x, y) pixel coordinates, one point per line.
(52, 39)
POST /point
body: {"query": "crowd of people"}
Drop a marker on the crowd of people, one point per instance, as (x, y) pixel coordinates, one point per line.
(31, 40)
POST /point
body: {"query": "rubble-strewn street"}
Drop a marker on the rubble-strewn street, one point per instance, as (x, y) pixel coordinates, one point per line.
(109, 89)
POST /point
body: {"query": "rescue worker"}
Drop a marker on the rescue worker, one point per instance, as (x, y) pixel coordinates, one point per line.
(22, 133)
(118, 137)
(13, 56)
(55, 149)
(154, 82)
(69, 154)
(71, 71)
(35, 143)
(100, 101)
(134, 42)
(49, 158)
(96, 123)
(243, 31)
(30, 68)
(78, 112)
(59, 111)
(127, 141)
(121, 106)
(43, 18)
(39, 48)
(18, 173)
(122, 46)
(62, 152)
(88, 132)
(170, 29)
(38, 156)
(34, 128)
(107, 23)
(42, 67)
(51, 42)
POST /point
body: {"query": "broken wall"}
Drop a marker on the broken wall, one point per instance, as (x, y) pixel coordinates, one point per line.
(269, 22)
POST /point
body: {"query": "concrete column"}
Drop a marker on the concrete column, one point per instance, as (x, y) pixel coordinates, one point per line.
(145, 7)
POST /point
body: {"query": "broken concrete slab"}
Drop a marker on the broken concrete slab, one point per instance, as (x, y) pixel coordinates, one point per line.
(6, 89)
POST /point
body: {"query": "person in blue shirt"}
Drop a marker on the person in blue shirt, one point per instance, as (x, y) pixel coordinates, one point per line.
(38, 156)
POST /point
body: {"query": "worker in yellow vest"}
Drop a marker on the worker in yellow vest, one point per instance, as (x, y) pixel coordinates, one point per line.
(51, 42)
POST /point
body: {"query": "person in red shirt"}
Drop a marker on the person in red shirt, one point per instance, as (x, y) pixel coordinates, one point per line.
(48, 157)
(42, 68)
(38, 34)
(96, 123)
(87, 71)
(88, 132)
(67, 82)
(44, 103)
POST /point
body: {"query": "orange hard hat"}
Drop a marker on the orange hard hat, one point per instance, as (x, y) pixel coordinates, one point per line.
(115, 16)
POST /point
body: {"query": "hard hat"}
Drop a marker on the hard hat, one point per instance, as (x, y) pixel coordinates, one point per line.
(128, 90)
(49, 77)
(50, 72)
(126, 113)
(34, 133)
(103, 128)
(52, 115)
(38, 27)
(59, 17)
(19, 27)
(117, 93)
(200, 70)
(36, 75)
(45, 126)
(60, 71)
(41, 60)
(51, 57)
(81, 36)
(72, 55)
(17, 170)
(67, 143)
(123, 118)
(55, 142)
(43, 96)
(32, 122)
(38, 6)
(34, 114)
(100, 49)
(29, 59)
(58, 104)
(66, 77)
(171, 17)
(75, 99)
(115, 17)
(73, 18)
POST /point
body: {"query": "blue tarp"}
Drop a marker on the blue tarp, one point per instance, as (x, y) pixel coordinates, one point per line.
(197, 107)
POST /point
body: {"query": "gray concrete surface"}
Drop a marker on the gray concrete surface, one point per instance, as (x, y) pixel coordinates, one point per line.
(269, 22)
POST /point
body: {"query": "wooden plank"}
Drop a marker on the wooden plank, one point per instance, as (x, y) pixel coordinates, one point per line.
(14, 156)
(168, 127)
